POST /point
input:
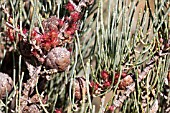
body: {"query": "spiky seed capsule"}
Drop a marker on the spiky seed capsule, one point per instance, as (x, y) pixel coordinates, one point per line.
(58, 58)
(6, 85)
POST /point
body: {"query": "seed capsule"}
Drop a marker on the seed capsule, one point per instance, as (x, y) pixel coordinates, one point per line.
(51, 24)
(58, 58)
(80, 86)
(125, 82)
(6, 85)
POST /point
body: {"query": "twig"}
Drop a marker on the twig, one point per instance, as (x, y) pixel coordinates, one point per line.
(31, 83)
(131, 87)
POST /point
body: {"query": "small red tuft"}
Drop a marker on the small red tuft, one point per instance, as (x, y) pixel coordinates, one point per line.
(105, 75)
(70, 31)
(58, 110)
(45, 37)
(60, 22)
(75, 16)
(94, 85)
(46, 45)
(70, 49)
(11, 35)
(74, 26)
(111, 108)
(53, 34)
(107, 84)
(33, 33)
(34, 52)
(124, 74)
(24, 31)
(116, 75)
(161, 40)
(69, 7)
(55, 42)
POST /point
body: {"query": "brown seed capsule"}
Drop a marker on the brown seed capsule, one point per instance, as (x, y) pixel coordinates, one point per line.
(6, 85)
(58, 58)
(80, 87)
(125, 82)
(51, 24)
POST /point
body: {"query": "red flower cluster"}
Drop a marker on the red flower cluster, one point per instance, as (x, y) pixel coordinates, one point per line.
(107, 84)
(94, 85)
(107, 79)
(104, 75)
(58, 110)
(75, 16)
(47, 40)
(116, 77)
(56, 31)
(70, 30)
(10, 33)
(111, 108)
(69, 7)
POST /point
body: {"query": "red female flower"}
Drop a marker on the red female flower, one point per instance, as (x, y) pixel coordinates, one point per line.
(116, 76)
(33, 33)
(94, 85)
(105, 75)
(69, 7)
(75, 16)
(60, 22)
(124, 74)
(34, 52)
(11, 35)
(107, 84)
(58, 110)
(55, 42)
(24, 31)
(70, 50)
(111, 108)
(70, 31)
(53, 34)
(47, 46)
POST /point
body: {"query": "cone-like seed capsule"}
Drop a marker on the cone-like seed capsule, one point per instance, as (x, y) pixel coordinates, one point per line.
(80, 86)
(51, 24)
(6, 85)
(58, 58)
